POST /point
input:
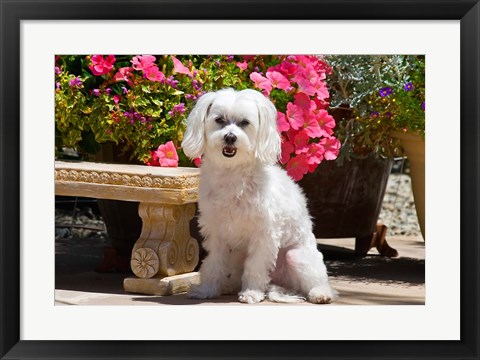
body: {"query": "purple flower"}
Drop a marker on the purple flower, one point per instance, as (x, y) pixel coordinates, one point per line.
(180, 108)
(408, 86)
(172, 82)
(57, 85)
(125, 90)
(385, 91)
(108, 91)
(177, 109)
(423, 105)
(75, 82)
(57, 70)
(374, 114)
(217, 63)
(96, 92)
(197, 85)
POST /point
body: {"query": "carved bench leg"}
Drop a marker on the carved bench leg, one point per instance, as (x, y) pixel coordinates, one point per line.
(165, 254)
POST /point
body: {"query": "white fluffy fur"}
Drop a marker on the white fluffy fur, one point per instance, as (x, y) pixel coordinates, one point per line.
(257, 229)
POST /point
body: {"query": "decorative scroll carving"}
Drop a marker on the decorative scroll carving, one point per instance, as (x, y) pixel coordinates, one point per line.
(166, 232)
(118, 178)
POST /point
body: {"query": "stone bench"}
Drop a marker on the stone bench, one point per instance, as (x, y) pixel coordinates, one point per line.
(165, 255)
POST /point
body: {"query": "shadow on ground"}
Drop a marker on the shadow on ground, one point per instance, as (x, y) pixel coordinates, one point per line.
(76, 258)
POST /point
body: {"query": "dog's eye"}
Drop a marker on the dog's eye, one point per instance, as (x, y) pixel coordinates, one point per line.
(244, 123)
(220, 120)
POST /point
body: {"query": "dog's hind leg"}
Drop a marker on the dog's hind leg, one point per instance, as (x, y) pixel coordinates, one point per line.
(306, 268)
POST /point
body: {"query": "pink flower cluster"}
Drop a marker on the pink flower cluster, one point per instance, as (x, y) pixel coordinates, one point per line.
(146, 64)
(165, 155)
(305, 126)
(101, 65)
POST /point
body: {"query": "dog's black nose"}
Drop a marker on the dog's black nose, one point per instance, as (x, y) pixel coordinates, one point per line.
(230, 138)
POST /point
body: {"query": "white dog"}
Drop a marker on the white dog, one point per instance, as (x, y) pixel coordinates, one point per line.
(257, 229)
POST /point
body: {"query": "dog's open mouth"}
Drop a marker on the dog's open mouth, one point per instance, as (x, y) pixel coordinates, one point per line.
(229, 151)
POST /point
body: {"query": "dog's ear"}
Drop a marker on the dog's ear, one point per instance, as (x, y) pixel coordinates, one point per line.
(268, 144)
(193, 143)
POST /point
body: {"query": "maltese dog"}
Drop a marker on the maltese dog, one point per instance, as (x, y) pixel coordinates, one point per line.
(257, 230)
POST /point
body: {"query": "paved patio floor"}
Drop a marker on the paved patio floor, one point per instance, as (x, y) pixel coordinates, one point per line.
(372, 279)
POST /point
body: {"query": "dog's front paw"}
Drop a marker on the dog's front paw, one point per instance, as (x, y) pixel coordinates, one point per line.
(322, 295)
(251, 296)
(203, 291)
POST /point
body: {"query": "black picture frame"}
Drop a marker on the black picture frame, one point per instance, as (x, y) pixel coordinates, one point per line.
(13, 12)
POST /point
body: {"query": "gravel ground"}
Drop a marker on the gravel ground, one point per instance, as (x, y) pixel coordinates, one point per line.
(398, 214)
(398, 208)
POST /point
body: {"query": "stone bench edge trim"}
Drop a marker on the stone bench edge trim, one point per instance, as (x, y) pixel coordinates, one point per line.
(117, 178)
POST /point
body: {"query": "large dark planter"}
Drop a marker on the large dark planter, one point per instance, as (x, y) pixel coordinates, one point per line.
(122, 222)
(345, 201)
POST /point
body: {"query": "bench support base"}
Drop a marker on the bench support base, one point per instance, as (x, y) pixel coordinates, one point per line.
(168, 285)
(165, 255)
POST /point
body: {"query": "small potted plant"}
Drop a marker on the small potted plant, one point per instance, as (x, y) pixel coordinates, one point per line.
(396, 108)
(372, 97)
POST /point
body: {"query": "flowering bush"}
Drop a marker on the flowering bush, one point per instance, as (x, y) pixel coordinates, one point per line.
(383, 93)
(297, 86)
(142, 102)
(123, 99)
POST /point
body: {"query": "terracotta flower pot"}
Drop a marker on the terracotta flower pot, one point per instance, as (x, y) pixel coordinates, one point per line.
(414, 146)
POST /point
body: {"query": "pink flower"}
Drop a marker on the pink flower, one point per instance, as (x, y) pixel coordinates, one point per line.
(287, 68)
(242, 65)
(167, 155)
(298, 166)
(311, 126)
(331, 146)
(154, 74)
(311, 82)
(261, 82)
(179, 67)
(326, 122)
(304, 102)
(197, 161)
(124, 74)
(282, 123)
(153, 161)
(278, 80)
(305, 85)
(295, 116)
(315, 154)
(143, 62)
(301, 142)
(101, 66)
(116, 99)
(287, 149)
